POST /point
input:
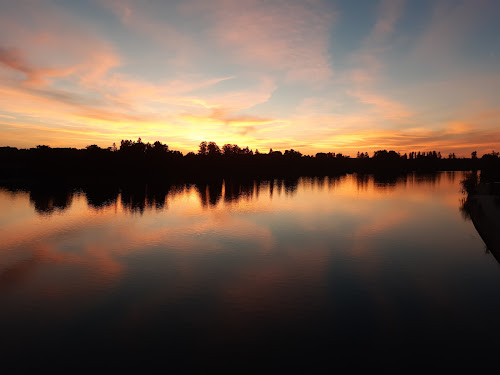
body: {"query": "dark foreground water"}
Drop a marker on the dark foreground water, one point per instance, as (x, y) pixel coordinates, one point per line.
(305, 275)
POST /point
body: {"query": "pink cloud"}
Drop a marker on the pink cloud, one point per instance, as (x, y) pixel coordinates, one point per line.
(45, 42)
(283, 35)
(13, 58)
(382, 106)
(368, 62)
(177, 47)
(389, 13)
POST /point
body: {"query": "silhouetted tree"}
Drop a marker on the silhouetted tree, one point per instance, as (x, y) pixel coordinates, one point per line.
(491, 155)
(126, 145)
(292, 153)
(93, 148)
(227, 149)
(157, 161)
(213, 149)
(160, 147)
(203, 148)
(384, 155)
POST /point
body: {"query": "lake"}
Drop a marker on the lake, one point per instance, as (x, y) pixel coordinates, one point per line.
(342, 272)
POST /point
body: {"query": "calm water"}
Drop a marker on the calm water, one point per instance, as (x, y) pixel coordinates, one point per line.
(334, 271)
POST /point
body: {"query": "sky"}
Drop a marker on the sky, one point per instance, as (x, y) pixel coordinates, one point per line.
(312, 75)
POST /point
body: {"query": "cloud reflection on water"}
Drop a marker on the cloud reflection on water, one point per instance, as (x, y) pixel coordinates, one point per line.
(224, 258)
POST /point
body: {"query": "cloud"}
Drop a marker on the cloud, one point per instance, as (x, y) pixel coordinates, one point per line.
(12, 58)
(282, 35)
(447, 33)
(78, 89)
(15, 59)
(365, 82)
(225, 116)
(369, 59)
(162, 26)
(389, 13)
(445, 140)
(43, 40)
(230, 122)
(382, 106)
(286, 38)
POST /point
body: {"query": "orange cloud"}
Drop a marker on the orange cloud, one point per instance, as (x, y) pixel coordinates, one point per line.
(382, 106)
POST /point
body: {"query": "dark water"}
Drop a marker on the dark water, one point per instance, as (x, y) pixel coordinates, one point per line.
(306, 275)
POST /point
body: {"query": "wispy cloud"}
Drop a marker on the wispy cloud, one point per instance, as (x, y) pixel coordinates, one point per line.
(389, 14)
(448, 29)
(286, 36)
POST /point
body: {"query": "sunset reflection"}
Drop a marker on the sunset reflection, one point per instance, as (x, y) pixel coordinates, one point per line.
(236, 262)
(203, 216)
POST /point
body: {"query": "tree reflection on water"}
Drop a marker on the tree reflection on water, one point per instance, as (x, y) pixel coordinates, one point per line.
(482, 206)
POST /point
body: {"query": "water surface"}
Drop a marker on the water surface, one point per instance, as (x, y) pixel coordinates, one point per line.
(296, 272)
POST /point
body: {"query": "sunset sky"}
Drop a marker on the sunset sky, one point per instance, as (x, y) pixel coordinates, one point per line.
(312, 75)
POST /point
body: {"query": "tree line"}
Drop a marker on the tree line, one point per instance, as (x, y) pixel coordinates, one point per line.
(137, 159)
